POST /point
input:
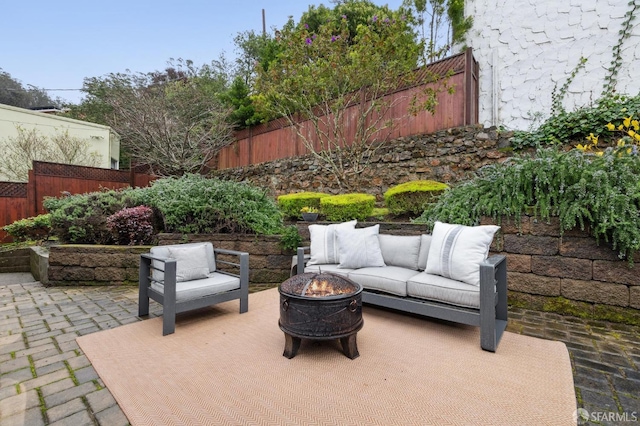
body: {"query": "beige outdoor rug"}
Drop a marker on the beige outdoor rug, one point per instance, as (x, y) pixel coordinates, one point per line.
(225, 368)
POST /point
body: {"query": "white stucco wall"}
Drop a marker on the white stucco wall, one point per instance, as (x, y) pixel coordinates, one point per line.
(524, 47)
(101, 139)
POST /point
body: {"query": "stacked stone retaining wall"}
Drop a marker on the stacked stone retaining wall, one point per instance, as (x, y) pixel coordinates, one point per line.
(447, 156)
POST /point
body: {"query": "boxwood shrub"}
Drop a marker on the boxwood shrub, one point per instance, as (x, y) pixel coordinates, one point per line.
(340, 208)
(290, 204)
(30, 229)
(411, 197)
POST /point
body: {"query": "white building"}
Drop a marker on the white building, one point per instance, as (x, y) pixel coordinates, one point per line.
(526, 47)
(101, 139)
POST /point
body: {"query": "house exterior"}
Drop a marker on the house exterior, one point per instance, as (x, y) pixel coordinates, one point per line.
(102, 139)
(525, 48)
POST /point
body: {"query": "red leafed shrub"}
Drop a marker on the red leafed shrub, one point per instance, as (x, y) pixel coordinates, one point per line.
(132, 226)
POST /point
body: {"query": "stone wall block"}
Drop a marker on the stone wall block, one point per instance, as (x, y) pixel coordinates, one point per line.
(585, 247)
(518, 262)
(533, 284)
(566, 267)
(616, 272)
(550, 228)
(531, 244)
(110, 274)
(596, 292)
(73, 273)
(634, 297)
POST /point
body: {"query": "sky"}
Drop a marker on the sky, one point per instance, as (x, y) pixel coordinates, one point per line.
(56, 44)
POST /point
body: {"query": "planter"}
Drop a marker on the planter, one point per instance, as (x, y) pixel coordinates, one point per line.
(310, 217)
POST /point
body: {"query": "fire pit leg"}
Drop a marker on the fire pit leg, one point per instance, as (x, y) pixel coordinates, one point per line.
(291, 345)
(349, 346)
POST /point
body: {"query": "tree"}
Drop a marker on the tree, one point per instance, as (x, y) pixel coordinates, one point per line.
(13, 93)
(318, 76)
(173, 125)
(441, 24)
(20, 151)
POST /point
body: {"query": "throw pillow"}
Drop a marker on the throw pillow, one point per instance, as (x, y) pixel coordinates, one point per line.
(359, 248)
(191, 262)
(324, 244)
(457, 250)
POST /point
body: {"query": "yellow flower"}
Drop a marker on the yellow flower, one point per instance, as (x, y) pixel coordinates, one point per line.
(637, 137)
(620, 127)
(627, 121)
(631, 133)
(621, 142)
(611, 127)
(581, 147)
(636, 125)
(599, 153)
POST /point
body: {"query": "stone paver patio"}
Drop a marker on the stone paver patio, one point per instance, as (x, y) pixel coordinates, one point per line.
(45, 379)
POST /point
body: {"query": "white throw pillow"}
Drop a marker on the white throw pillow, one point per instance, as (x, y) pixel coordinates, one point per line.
(191, 262)
(400, 250)
(359, 248)
(457, 250)
(324, 244)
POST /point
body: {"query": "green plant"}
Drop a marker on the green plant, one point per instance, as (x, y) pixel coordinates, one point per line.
(132, 226)
(568, 127)
(30, 229)
(411, 197)
(291, 204)
(616, 62)
(379, 213)
(82, 218)
(578, 188)
(339, 208)
(195, 204)
(290, 238)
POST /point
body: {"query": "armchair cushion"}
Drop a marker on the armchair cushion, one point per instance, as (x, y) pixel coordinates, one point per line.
(213, 284)
(191, 262)
(163, 251)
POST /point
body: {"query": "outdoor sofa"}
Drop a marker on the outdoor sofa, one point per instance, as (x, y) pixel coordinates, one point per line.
(445, 275)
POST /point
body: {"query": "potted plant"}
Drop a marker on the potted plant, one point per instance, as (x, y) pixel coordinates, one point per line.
(309, 214)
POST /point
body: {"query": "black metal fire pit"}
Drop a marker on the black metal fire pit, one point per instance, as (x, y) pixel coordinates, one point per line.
(320, 307)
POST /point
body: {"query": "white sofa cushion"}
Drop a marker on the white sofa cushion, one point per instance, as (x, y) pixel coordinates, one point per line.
(390, 279)
(425, 244)
(328, 268)
(457, 250)
(400, 250)
(214, 283)
(359, 248)
(191, 262)
(163, 252)
(324, 243)
(441, 289)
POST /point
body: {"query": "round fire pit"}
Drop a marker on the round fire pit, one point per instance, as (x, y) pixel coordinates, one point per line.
(320, 306)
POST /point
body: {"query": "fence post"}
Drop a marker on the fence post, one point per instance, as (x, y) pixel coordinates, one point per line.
(32, 196)
(468, 87)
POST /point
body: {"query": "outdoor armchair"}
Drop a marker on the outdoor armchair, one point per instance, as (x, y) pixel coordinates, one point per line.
(184, 277)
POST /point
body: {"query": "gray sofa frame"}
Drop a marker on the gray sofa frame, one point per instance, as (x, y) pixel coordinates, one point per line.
(491, 317)
(170, 307)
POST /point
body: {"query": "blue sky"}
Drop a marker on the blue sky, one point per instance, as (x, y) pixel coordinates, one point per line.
(56, 44)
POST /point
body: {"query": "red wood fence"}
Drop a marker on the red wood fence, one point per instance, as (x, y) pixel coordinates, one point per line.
(22, 200)
(275, 139)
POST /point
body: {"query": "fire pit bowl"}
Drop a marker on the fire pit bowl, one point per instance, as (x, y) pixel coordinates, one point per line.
(320, 307)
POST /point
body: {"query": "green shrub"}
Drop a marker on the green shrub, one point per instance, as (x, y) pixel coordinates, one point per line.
(30, 229)
(578, 188)
(339, 208)
(195, 204)
(568, 127)
(291, 204)
(290, 238)
(82, 218)
(411, 197)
